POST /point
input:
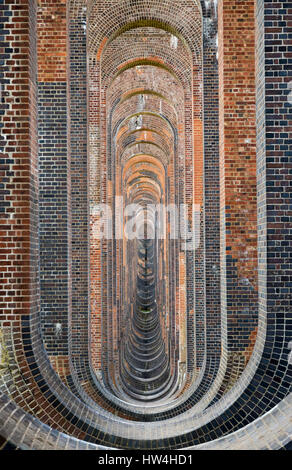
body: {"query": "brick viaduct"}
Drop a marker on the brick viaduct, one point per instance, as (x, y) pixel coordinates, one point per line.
(139, 343)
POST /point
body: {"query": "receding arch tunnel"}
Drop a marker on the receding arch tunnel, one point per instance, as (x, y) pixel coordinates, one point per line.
(145, 225)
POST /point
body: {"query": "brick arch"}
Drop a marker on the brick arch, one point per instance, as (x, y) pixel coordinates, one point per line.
(142, 79)
(169, 17)
(152, 109)
(153, 61)
(66, 415)
(157, 48)
(144, 149)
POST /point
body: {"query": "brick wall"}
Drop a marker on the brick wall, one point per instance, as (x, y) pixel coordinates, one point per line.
(19, 175)
(238, 204)
(54, 174)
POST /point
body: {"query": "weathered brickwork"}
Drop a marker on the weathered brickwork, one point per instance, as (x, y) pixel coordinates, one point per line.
(18, 161)
(236, 36)
(52, 41)
(54, 197)
(53, 203)
(102, 341)
(79, 183)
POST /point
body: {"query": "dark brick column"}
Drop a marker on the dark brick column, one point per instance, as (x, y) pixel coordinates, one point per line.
(211, 204)
(274, 168)
(54, 173)
(79, 182)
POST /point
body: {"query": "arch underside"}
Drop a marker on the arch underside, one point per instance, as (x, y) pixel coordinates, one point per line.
(136, 105)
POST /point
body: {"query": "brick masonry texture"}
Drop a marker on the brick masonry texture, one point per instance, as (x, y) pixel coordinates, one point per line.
(54, 197)
(237, 169)
(173, 102)
(53, 206)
